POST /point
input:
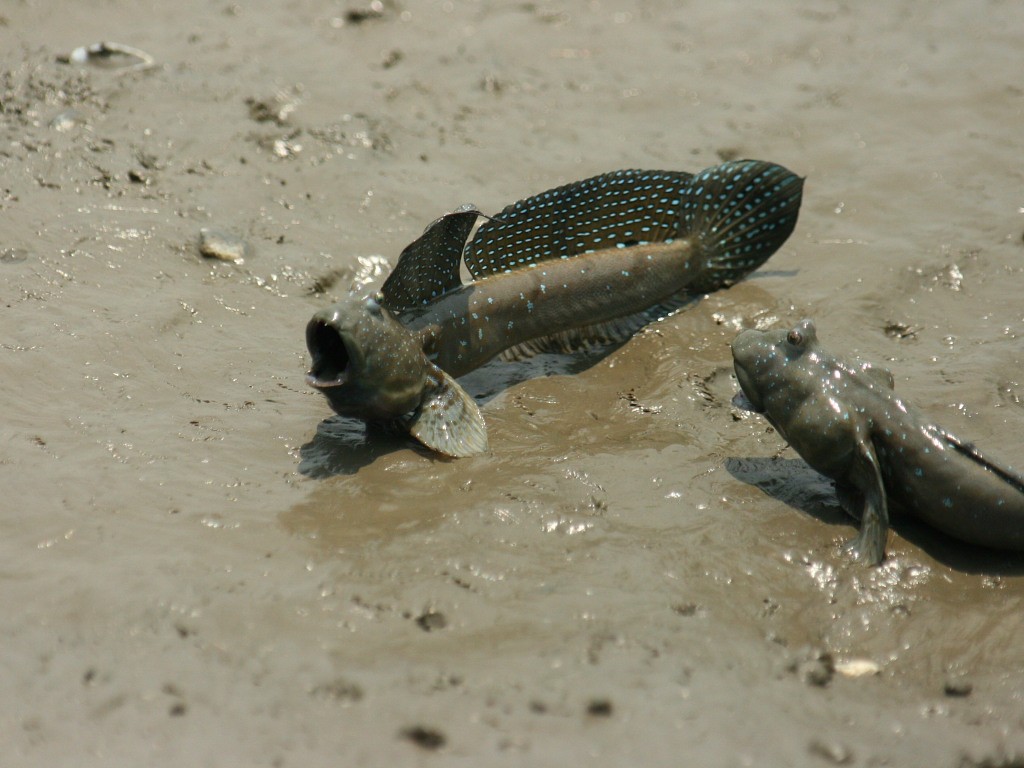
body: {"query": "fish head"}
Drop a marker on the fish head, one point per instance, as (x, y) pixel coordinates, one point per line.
(773, 362)
(365, 362)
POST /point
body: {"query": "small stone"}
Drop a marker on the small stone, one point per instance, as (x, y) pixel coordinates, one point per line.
(599, 708)
(424, 737)
(832, 751)
(215, 244)
(957, 686)
(857, 668)
(66, 120)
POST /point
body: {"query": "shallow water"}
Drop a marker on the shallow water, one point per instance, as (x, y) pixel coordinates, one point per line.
(200, 563)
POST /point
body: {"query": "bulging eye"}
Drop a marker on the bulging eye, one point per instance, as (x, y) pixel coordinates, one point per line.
(795, 338)
(373, 303)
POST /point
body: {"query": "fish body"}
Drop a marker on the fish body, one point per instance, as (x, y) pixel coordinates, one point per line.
(587, 263)
(845, 420)
(468, 327)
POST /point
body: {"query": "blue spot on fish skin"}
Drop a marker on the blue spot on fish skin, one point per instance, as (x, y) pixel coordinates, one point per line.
(947, 502)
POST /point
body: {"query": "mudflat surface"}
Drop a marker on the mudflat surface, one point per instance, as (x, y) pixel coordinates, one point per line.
(199, 566)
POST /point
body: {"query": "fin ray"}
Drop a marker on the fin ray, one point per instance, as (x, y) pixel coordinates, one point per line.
(739, 213)
(449, 420)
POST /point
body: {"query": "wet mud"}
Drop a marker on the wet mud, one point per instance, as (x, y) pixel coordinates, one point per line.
(201, 565)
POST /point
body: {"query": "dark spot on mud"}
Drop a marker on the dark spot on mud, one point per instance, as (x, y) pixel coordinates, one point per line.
(424, 737)
(957, 686)
(899, 330)
(599, 708)
(813, 666)
(89, 676)
(636, 406)
(686, 609)
(327, 281)
(727, 154)
(538, 707)
(431, 620)
(374, 10)
(177, 709)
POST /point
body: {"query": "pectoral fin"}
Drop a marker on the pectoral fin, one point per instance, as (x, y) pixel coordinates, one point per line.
(448, 420)
(866, 477)
(879, 375)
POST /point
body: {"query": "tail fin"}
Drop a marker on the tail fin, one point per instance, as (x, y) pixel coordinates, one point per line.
(739, 213)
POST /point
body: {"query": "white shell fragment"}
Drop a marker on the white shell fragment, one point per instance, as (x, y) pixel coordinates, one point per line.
(216, 244)
(857, 668)
(112, 56)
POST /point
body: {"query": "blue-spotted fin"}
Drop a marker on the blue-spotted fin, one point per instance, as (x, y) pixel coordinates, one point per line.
(587, 263)
(844, 419)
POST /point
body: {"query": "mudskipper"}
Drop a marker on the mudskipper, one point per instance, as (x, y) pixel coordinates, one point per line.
(844, 419)
(587, 263)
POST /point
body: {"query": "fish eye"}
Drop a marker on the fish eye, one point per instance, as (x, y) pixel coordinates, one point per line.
(795, 338)
(373, 303)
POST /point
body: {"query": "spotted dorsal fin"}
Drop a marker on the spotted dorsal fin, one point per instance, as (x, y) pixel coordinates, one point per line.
(615, 209)
(429, 266)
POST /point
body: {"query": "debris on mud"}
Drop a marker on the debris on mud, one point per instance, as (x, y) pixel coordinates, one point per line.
(217, 244)
(107, 55)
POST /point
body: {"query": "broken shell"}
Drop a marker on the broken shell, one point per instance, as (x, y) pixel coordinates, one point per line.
(111, 56)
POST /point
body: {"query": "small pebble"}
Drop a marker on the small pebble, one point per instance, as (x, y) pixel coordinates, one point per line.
(857, 668)
(66, 120)
(215, 244)
(831, 751)
(957, 686)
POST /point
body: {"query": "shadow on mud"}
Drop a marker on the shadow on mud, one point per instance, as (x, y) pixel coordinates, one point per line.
(342, 445)
(794, 483)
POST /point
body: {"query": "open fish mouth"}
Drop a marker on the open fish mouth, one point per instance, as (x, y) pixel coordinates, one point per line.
(331, 357)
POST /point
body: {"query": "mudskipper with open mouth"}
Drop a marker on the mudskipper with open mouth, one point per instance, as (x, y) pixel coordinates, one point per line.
(588, 263)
